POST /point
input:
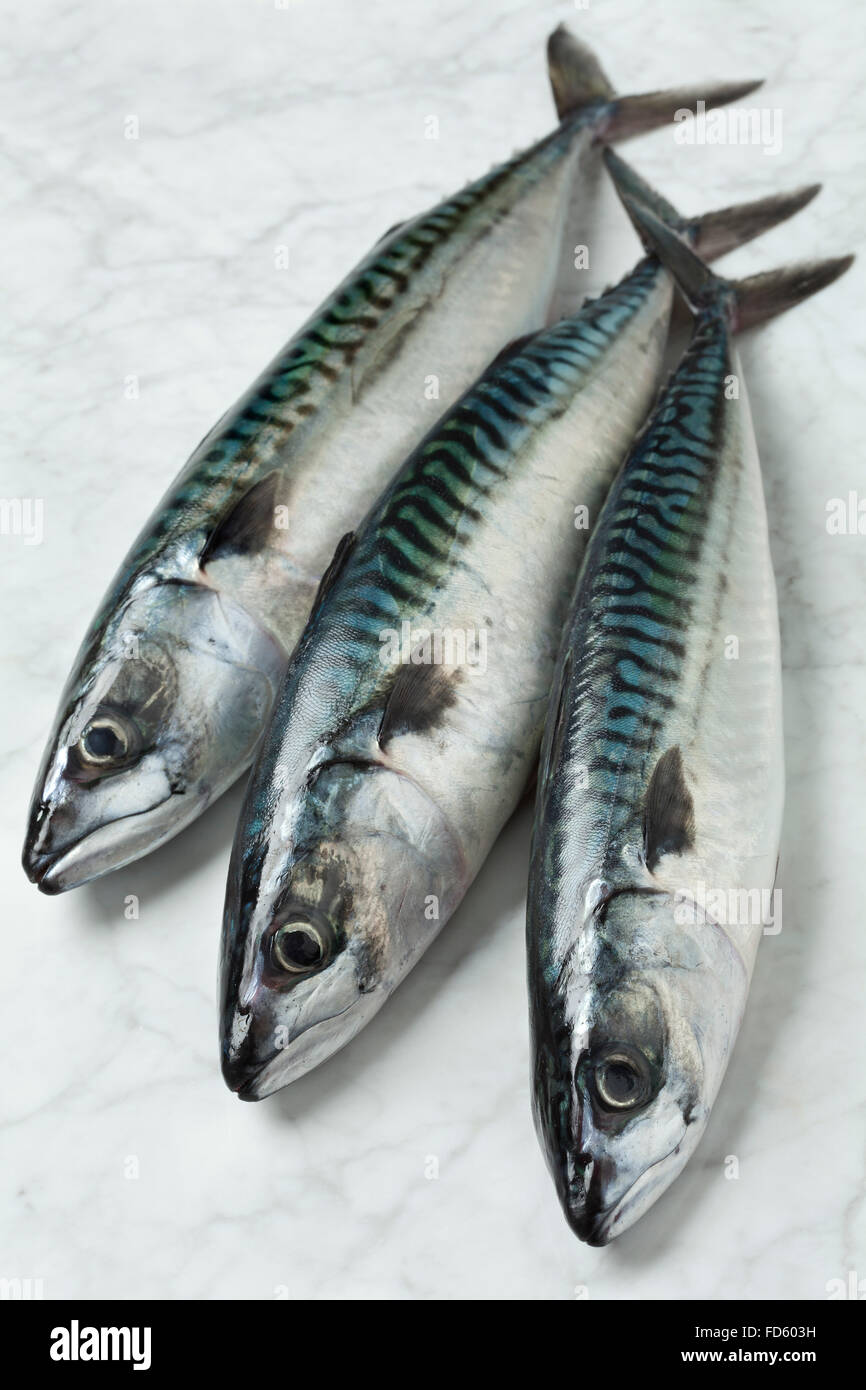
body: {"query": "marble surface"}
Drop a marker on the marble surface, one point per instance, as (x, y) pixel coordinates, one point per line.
(141, 295)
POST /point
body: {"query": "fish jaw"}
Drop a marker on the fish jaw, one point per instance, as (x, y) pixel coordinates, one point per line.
(74, 862)
(596, 1224)
(603, 1194)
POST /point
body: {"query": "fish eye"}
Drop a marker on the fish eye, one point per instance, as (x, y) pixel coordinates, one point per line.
(106, 740)
(298, 946)
(622, 1078)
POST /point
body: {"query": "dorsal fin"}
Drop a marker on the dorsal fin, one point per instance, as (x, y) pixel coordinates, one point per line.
(386, 343)
(345, 546)
(511, 349)
(554, 748)
(391, 230)
(669, 812)
(714, 233)
(746, 302)
(417, 699)
(247, 527)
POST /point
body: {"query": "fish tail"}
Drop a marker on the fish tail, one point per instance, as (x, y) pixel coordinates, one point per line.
(576, 75)
(628, 116)
(715, 233)
(578, 81)
(763, 296)
(746, 302)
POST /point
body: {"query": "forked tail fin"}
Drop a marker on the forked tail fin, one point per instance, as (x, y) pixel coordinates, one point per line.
(714, 233)
(746, 302)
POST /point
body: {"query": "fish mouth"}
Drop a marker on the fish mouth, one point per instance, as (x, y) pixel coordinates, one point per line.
(588, 1216)
(590, 1223)
(242, 1068)
(256, 1078)
(243, 1077)
(597, 1225)
(104, 849)
(38, 868)
(592, 1230)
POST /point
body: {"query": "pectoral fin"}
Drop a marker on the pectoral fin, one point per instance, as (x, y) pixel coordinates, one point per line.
(247, 527)
(669, 813)
(385, 344)
(417, 700)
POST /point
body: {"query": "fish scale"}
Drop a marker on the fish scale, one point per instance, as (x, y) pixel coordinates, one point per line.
(633, 648)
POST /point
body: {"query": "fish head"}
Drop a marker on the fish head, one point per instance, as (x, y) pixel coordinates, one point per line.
(639, 1040)
(326, 911)
(162, 711)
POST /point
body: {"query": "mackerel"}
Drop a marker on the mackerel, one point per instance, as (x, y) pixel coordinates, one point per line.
(660, 793)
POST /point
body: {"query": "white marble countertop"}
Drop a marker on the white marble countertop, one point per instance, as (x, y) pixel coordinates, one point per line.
(127, 1168)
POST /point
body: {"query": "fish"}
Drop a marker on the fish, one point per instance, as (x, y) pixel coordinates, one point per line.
(177, 674)
(410, 717)
(661, 784)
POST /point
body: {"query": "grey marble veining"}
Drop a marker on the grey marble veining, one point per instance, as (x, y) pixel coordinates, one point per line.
(142, 293)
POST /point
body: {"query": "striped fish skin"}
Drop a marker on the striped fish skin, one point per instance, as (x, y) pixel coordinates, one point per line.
(661, 788)
(207, 607)
(381, 784)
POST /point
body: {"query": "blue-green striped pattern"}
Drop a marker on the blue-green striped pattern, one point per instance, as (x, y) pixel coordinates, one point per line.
(627, 641)
(441, 495)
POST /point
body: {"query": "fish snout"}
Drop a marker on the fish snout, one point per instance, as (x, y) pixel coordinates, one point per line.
(582, 1196)
(241, 1070)
(592, 1228)
(40, 854)
(247, 1046)
(589, 1220)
